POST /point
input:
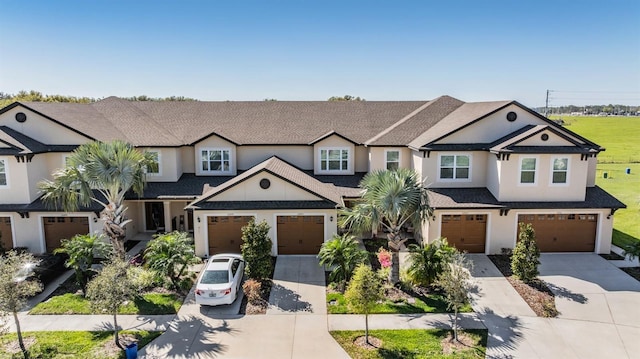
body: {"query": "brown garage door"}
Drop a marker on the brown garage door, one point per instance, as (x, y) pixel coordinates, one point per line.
(300, 234)
(6, 237)
(563, 232)
(225, 233)
(465, 232)
(59, 228)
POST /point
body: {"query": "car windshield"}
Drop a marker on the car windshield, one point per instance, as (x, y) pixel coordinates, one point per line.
(215, 277)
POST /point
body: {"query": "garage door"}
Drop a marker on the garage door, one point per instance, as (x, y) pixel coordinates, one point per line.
(58, 228)
(300, 234)
(225, 233)
(6, 237)
(465, 232)
(563, 232)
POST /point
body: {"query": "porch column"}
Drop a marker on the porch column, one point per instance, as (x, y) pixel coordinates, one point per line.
(168, 227)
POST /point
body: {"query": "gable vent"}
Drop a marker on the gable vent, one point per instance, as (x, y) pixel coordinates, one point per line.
(21, 117)
(511, 116)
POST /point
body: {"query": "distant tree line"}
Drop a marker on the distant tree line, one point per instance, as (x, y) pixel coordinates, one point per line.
(37, 96)
(609, 109)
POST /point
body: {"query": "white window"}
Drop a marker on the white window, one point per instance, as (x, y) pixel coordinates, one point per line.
(559, 170)
(4, 180)
(157, 171)
(392, 159)
(216, 160)
(528, 170)
(455, 167)
(65, 160)
(334, 159)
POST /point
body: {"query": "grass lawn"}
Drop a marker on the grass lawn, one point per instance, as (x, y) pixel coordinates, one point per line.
(410, 343)
(148, 304)
(619, 135)
(430, 304)
(70, 344)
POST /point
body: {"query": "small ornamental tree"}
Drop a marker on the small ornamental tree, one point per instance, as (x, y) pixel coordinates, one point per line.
(632, 250)
(112, 288)
(341, 254)
(81, 250)
(15, 288)
(363, 292)
(426, 263)
(526, 255)
(256, 250)
(169, 255)
(455, 280)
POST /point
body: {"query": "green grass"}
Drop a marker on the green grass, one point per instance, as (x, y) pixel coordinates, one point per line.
(429, 304)
(148, 304)
(71, 344)
(619, 135)
(410, 344)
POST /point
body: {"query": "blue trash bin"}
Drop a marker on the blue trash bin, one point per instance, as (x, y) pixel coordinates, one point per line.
(131, 351)
(628, 171)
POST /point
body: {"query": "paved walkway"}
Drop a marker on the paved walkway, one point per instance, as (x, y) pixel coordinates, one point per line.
(598, 303)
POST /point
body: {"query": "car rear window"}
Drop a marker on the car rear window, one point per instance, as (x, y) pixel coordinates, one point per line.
(215, 277)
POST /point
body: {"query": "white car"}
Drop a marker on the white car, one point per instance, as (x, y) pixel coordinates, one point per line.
(221, 279)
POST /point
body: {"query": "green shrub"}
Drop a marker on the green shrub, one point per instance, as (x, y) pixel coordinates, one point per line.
(341, 254)
(526, 254)
(256, 250)
(363, 293)
(169, 255)
(142, 278)
(82, 249)
(428, 262)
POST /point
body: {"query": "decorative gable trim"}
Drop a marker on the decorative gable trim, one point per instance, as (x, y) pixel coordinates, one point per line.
(329, 134)
(16, 104)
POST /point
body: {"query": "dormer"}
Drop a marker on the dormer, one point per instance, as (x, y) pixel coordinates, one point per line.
(215, 156)
(333, 154)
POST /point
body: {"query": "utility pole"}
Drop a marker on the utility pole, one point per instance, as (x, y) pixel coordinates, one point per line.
(546, 106)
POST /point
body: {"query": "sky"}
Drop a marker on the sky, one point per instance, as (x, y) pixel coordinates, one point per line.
(585, 52)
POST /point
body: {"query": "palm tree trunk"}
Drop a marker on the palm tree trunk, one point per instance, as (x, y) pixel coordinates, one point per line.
(394, 275)
(115, 330)
(19, 332)
(366, 328)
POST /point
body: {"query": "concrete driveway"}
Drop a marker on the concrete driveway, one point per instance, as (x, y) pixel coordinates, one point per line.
(599, 311)
(295, 325)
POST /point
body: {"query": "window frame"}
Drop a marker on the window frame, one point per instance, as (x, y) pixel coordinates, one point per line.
(552, 171)
(535, 171)
(386, 158)
(159, 160)
(455, 167)
(211, 149)
(5, 162)
(328, 170)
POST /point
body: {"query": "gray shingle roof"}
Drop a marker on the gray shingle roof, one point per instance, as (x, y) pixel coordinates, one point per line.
(460, 198)
(177, 123)
(240, 205)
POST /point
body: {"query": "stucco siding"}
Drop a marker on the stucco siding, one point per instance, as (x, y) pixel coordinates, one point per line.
(15, 191)
(187, 159)
(215, 142)
(543, 189)
(170, 164)
(279, 190)
(592, 162)
(332, 142)
(41, 128)
(552, 140)
(478, 167)
(493, 127)
(378, 159)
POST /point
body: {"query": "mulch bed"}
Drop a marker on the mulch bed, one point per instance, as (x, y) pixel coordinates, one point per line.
(633, 271)
(261, 306)
(537, 295)
(612, 256)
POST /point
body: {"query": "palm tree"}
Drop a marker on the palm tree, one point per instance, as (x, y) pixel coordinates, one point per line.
(342, 255)
(82, 249)
(170, 254)
(100, 172)
(428, 262)
(391, 200)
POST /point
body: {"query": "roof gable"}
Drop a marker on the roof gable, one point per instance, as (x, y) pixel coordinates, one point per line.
(283, 172)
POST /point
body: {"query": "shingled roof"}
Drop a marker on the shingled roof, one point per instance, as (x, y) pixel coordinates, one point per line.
(179, 123)
(13, 142)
